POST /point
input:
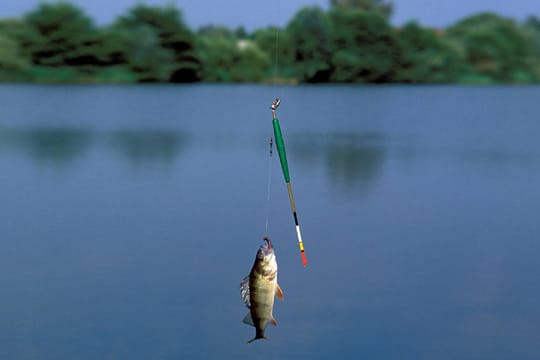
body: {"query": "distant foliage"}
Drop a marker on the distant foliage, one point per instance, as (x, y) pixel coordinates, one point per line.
(352, 41)
(277, 43)
(380, 7)
(227, 58)
(310, 33)
(58, 35)
(157, 45)
(11, 59)
(365, 47)
(495, 48)
(426, 57)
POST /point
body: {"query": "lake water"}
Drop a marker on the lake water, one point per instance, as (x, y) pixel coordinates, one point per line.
(131, 213)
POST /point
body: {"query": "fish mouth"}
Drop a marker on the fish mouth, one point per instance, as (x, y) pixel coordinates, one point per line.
(268, 242)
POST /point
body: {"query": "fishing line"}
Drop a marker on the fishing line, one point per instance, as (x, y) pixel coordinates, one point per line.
(276, 59)
(271, 141)
(269, 185)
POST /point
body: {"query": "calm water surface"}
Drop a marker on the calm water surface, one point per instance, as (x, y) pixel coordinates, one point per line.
(130, 214)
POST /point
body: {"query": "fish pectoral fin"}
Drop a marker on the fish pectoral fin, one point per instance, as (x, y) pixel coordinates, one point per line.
(248, 319)
(279, 293)
(273, 321)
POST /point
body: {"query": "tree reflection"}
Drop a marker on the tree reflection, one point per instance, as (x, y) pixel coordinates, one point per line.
(58, 146)
(352, 160)
(62, 146)
(144, 146)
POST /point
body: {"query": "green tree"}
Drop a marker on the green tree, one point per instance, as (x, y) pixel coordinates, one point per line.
(217, 31)
(226, 58)
(216, 54)
(250, 63)
(157, 44)
(16, 29)
(380, 6)
(366, 48)
(531, 31)
(12, 64)
(58, 36)
(310, 34)
(426, 57)
(494, 47)
(241, 33)
(276, 43)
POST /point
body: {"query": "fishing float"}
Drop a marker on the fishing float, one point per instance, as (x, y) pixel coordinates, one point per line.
(280, 145)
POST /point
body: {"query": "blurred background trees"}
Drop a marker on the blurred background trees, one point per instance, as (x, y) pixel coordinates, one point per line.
(156, 45)
(426, 57)
(352, 41)
(13, 65)
(365, 46)
(310, 33)
(495, 48)
(58, 35)
(381, 7)
(228, 55)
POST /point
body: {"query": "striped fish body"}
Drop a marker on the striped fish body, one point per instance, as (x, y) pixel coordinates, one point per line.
(258, 290)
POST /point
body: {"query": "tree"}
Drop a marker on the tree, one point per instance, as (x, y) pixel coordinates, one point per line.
(531, 31)
(225, 58)
(11, 61)
(58, 36)
(158, 45)
(494, 47)
(277, 44)
(217, 31)
(310, 35)
(426, 57)
(366, 48)
(380, 6)
(249, 62)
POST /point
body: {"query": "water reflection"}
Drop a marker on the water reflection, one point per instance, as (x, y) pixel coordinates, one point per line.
(352, 160)
(56, 146)
(63, 146)
(497, 159)
(149, 146)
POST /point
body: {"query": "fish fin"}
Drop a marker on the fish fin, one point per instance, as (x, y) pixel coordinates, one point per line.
(256, 338)
(273, 321)
(244, 291)
(248, 319)
(279, 293)
(259, 334)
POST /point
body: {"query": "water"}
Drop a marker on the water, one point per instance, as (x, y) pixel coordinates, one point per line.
(130, 215)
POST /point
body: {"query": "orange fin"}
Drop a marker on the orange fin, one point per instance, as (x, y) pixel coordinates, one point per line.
(279, 293)
(273, 322)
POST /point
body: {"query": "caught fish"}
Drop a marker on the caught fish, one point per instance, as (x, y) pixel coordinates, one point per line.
(259, 288)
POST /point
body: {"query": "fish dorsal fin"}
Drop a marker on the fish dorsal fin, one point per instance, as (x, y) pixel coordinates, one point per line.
(248, 319)
(279, 293)
(244, 291)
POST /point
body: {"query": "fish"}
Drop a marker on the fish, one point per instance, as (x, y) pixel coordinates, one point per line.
(259, 289)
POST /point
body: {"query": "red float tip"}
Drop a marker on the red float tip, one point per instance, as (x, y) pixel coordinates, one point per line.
(304, 260)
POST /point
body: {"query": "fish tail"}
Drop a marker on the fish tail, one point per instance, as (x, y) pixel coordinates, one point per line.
(259, 334)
